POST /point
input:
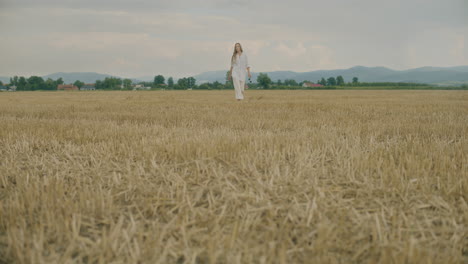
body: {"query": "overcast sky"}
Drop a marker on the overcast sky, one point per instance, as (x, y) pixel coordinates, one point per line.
(183, 38)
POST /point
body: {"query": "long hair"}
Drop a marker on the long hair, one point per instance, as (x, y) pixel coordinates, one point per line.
(233, 59)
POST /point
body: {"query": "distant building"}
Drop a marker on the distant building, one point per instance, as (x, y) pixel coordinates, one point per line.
(3, 88)
(67, 87)
(88, 87)
(12, 88)
(140, 87)
(308, 84)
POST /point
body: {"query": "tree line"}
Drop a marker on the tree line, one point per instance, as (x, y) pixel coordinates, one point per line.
(34, 83)
(263, 81)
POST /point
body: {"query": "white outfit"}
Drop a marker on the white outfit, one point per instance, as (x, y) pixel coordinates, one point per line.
(239, 72)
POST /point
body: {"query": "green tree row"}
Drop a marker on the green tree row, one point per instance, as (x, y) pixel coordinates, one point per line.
(34, 83)
(263, 81)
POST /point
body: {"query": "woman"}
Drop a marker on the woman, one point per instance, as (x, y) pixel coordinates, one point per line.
(239, 66)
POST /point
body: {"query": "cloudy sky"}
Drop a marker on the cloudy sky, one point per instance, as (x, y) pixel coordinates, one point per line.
(183, 38)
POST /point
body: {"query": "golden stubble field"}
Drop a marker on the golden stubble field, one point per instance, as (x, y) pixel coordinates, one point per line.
(197, 177)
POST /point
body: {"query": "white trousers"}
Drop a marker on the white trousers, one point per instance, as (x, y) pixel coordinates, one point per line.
(239, 87)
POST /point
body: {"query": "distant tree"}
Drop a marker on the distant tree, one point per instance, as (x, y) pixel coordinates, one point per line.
(217, 85)
(118, 83)
(111, 83)
(21, 83)
(191, 82)
(279, 82)
(159, 79)
(323, 82)
(204, 86)
(290, 82)
(14, 81)
(331, 81)
(36, 83)
(170, 82)
(98, 84)
(147, 84)
(127, 83)
(182, 83)
(59, 81)
(228, 84)
(227, 77)
(340, 80)
(264, 80)
(355, 80)
(78, 83)
(50, 84)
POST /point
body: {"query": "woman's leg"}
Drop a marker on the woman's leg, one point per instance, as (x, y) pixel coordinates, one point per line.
(242, 86)
(237, 88)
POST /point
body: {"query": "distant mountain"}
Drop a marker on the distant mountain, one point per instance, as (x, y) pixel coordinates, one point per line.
(430, 68)
(71, 77)
(147, 78)
(220, 76)
(431, 75)
(5, 79)
(86, 77)
(459, 68)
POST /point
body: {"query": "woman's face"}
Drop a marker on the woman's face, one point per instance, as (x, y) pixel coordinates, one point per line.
(238, 48)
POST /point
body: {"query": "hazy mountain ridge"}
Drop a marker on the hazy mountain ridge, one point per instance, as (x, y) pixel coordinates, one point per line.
(431, 75)
(86, 77)
(428, 74)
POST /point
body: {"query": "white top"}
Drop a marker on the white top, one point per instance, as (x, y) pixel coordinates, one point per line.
(239, 67)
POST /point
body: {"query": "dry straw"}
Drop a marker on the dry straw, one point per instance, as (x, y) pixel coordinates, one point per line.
(197, 177)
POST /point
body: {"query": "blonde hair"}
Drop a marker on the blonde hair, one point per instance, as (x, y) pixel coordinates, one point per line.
(233, 59)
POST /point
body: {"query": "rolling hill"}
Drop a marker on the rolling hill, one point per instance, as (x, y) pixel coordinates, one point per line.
(431, 75)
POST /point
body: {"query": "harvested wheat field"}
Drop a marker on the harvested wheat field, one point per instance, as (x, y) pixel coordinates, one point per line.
(197, 177)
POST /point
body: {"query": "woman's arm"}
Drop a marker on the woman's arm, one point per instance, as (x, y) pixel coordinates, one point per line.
(247, 65)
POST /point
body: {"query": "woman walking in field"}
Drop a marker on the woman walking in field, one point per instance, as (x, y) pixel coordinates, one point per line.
(239, 67)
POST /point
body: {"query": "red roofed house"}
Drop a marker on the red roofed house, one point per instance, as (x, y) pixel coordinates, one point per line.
(308, 84)
(67, 87)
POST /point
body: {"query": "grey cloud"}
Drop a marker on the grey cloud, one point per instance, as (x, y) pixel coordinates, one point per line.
(126, 5)
(132, 38)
